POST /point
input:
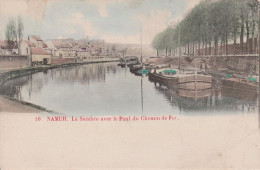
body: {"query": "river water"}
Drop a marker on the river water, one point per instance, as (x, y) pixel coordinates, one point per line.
(107, 89)
(220, 131)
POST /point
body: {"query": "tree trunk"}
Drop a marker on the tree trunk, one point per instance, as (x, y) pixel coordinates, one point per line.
(206, 48)
(253, 38)
(199, 47)
(193, 48)
(235, 42)
(242, 34)
(188, 48)
(226, 37)
(247, 36)
(210, 48)
(216, 45)
(235, 39)
(203, 47)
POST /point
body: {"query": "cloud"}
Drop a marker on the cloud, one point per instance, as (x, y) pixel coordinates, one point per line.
(33, 8)
(77, 24)
(152, 24)
(60, 37)
(116, 38)
(102, 5)
(135, 3)
(70, 31)
(78, 19)
(12, 8)
(36, 8)
(174, 21)
(191, 3)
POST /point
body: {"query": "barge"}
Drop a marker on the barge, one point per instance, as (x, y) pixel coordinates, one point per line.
(186, 81)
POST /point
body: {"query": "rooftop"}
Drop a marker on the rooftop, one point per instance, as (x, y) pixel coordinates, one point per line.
(38, 51)
(36, 37)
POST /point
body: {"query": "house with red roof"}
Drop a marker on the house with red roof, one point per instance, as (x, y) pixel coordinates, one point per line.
(4, 50)
(35, 39)
(39, 56)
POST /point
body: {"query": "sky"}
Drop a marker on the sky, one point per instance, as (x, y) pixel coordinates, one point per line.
(115, 21)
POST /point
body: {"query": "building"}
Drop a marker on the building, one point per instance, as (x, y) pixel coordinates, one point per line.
(4, 50)
(25, 47)
(62, 48)
(39, 56)
(37, 41)
(83, 54)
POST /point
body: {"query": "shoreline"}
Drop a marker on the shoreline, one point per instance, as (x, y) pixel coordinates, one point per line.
(15, 73)
(8, 101)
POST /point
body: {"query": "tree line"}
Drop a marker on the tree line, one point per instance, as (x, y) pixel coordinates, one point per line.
(212, 25)
(14, 33)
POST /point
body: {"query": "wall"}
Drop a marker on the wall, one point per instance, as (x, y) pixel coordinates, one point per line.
(24, 48)
(246, 48)
(244, 64)
(40, 58)
(13, 61)
(57, 61)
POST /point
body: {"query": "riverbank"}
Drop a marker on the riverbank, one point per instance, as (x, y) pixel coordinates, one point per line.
(11, 106)
(11, 74)
(241, 65)
(7, 104)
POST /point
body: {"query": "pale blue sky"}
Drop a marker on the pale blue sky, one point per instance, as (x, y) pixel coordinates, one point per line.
(112, 20)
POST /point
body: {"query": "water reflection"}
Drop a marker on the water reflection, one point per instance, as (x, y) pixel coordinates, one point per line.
(73, 74)
(210, 99)
(102, 89)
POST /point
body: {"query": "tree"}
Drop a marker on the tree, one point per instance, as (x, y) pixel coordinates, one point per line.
(14, 34)
(213, 22)
(20, 28)
(11, 34)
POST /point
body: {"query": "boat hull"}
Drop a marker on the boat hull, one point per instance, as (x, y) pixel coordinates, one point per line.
(135, 69)
(195, 93)
(189, 82)
(239, 85)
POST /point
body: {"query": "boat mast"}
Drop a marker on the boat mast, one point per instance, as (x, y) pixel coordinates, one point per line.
(142, 97)
(179, 40)
(259, 69)
(124, 55)
(142, 94)
(141, 46)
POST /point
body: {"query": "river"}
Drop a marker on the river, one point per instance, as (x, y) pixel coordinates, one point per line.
(107, 89)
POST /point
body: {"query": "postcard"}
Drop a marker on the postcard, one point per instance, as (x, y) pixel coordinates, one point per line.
(129, 84)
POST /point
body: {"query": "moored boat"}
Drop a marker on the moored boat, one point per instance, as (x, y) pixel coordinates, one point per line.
(184, 80)
(240, 84)
(135, 68)
(195, 93)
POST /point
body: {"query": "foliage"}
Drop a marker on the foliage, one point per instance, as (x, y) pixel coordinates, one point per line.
(214, 22)
(14, 33)
(10, 34)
